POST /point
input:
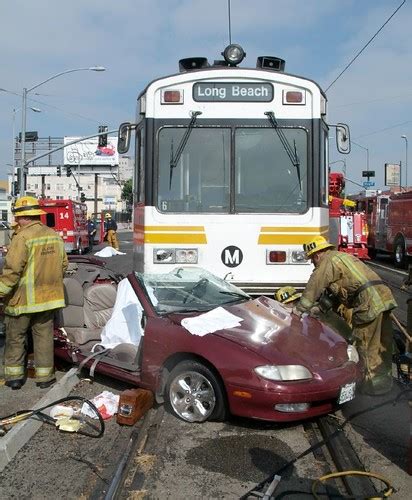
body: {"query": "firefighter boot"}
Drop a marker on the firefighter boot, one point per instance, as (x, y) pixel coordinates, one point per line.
(15, 385)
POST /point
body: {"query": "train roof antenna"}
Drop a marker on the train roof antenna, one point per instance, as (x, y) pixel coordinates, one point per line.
(230, 22)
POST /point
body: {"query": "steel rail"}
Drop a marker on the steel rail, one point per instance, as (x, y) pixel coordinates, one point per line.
(329, 445)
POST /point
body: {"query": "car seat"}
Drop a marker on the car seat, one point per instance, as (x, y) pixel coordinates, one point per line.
(87, 311)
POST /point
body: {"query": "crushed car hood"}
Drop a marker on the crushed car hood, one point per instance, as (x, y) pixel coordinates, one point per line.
(272, 331)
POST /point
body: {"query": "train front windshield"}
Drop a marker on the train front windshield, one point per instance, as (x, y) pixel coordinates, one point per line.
(245, 170)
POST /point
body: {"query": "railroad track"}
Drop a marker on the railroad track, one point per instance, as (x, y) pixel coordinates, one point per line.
(333, 452)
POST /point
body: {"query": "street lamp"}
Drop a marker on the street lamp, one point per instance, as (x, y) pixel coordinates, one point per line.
(23, 117)
(367, 153)
(406, 158)
(35, 110)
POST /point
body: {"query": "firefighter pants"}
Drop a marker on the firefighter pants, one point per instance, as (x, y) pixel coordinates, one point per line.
(374, 341)
(112, 239)
(17, 328)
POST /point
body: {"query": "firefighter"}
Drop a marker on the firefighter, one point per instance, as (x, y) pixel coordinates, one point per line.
(356, 286)
(110, 228)
(32, 286)
(91, 229)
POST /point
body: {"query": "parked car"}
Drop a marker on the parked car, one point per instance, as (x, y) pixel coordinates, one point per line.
(203, 346)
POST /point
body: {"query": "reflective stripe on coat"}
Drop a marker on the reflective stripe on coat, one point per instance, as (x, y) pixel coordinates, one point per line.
(32, 277)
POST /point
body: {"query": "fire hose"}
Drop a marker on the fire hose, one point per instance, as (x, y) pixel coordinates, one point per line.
(98, 430)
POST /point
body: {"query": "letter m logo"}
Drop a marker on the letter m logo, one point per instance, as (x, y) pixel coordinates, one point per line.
(232, 256)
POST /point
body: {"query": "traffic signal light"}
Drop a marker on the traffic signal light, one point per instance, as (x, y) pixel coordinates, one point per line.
(103, 138)
(82, 197)
(68, 171)
(59, 171)
(15, 188)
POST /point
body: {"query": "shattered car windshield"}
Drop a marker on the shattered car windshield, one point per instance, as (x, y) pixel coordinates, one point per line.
(188, 289)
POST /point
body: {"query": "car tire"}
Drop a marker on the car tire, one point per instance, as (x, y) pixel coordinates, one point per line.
(195, 394)
(372, 252)
(399, 253)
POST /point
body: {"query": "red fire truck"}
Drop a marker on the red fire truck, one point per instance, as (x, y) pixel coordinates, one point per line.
(69, 219)
(348, 228)
(389, 217)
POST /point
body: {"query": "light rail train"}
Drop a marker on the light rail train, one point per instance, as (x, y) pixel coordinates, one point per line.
(231, 171)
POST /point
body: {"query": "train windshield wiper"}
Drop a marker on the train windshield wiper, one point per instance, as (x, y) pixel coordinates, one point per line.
(290, 151)
(181, 147)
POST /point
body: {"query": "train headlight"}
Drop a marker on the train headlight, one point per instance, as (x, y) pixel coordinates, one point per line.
(164, 256)
(186, 256)
(234, 54)
(298, 257)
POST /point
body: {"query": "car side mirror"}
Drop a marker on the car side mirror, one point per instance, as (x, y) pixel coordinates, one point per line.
(342, 138)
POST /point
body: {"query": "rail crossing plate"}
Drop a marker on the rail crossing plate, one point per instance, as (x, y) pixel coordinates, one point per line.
(347, 393)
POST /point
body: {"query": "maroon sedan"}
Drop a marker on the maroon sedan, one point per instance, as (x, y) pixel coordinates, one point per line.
(203, 346)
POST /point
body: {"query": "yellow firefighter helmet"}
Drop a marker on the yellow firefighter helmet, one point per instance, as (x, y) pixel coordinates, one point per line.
(27, 206)
(108, 216)
(287, 294)
(318, 243)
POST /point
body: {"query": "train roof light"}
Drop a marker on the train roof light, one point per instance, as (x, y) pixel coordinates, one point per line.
(269, 62)
(171, 97)
(234, 54)
(191, 63)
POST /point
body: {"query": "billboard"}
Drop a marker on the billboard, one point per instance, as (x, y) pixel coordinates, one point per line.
(89, 152)
(392, 174)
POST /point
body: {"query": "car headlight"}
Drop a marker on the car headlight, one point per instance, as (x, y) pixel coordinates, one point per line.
(353, 354)
(284, 372)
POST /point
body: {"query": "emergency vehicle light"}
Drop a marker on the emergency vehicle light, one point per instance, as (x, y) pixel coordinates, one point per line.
(172, 97)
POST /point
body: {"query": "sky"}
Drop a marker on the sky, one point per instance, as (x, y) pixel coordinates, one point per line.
(140, 40)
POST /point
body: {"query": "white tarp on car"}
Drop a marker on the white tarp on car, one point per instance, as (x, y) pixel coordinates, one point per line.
(216, 319)
(124, 325)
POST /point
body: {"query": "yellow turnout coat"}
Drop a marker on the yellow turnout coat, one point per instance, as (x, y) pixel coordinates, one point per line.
(32, 277)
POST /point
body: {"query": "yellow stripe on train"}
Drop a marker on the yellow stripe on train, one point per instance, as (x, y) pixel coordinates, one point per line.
(289, 235)
(199, 239)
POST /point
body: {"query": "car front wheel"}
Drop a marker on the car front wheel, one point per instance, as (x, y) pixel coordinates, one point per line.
(194, 393)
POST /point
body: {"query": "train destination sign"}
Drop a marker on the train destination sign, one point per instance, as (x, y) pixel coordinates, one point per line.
(232, 92)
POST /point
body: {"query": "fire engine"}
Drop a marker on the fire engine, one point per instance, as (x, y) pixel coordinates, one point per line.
(69, 219)
(348, 228)
(389, 217)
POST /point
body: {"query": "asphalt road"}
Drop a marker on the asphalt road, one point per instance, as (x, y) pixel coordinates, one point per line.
(190, 461)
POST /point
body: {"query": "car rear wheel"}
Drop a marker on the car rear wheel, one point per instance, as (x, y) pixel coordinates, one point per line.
(195, 394)
(399, 253)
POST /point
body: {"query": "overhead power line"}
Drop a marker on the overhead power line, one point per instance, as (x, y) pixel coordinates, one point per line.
(364, 47)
